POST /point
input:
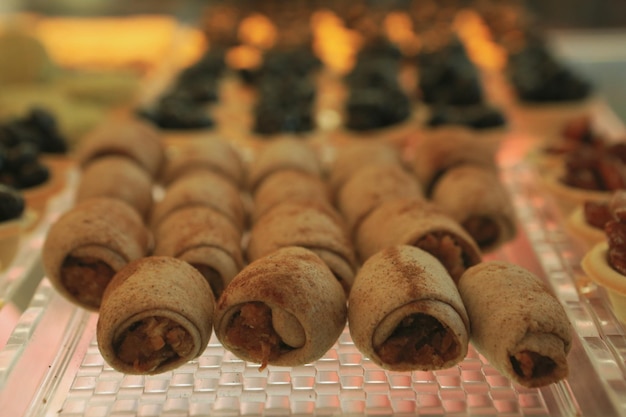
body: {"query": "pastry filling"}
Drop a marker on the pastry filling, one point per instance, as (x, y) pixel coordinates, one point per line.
(529, 364)
(152, 342)
(419, 339)
(483, 229)
(213, 278)
(445, 248)
(86, 278)
(251, 330)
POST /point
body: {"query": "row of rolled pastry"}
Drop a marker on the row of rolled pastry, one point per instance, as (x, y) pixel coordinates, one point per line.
(134, 265)
(287, 307)
(423, 291)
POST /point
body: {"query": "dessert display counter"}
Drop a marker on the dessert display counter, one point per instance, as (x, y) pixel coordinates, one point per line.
(51, 364)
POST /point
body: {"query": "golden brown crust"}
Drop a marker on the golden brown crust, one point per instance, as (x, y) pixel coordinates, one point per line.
(304, 224)
(301, 292)
(471, 192)
(517, 323)
(209, 153)
(148, 290)
(372, 185)
(201, 188)
(357, 154)
(396, 287)
(282, 154)
(118, 177)
(418, 222)
(202, 236)
(443, 148)
(125, 136)
(100, 228)
(292, 185)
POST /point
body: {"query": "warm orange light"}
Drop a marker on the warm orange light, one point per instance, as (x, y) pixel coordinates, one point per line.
(333, 43)
(258, 30)
(477, 39)
(399, 30)
(244, 57)
(112, 42)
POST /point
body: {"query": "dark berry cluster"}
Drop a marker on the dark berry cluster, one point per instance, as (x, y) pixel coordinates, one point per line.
(183, 105)
(22, 141)
(376, 98)
(286, 92)
(537, 76)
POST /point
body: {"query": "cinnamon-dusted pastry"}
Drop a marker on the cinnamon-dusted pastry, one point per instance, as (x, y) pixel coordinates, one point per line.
(198, 153)
(405, 312)
(355, 155)
(118, 177)
(202, 188)
(517, 324)
(88, 244)
(440, 149)
(316, 227)
(206, 239)
(126, 136)
(474, 196)
(370, 186)
(417, 222)
(156, 315)
(284, 309)
(282, 154)
(289, 185)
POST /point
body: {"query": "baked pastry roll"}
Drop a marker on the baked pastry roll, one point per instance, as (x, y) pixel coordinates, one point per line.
(440, 149)
(405, 312)
(417, 222)
(204, 238)
(370, 186)
(132, 138)
(289, 185)
(474, 196)
(201, 188)
(316, 227)
(156, 315)
(88, 244)
(199, 153)
(353, 156)
(517, 324)
(117, 177)
(284, 309)
(282, 154)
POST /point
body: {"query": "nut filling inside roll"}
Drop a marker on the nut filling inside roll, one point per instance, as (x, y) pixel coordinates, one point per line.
(419, 338)
(530, 362)
(152, 342)
(86, 278)
(447, 249)
(483, 229)
(254, 329)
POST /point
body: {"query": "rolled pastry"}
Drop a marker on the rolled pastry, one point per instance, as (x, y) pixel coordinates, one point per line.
(446, 147)
(201, 188)
(355, 155)
(289, 185)
(204, 238)
(474, 196)
(125, 136)
(156, 315)
(517, 324)
(88, 244)
(417, 222)
(370, 186)
(200, 153)
(315, 227)
(405, 312)
(284, 309)
(117, 177)
(282, 154)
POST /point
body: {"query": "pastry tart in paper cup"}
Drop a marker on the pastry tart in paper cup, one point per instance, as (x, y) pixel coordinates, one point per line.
(579, 226)
(596, 265)
(567, 198)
